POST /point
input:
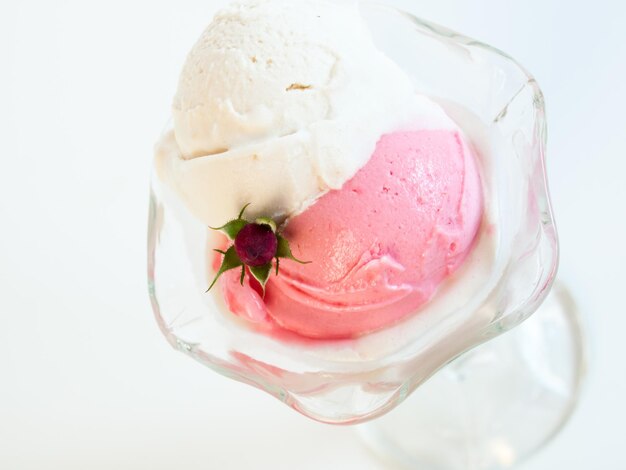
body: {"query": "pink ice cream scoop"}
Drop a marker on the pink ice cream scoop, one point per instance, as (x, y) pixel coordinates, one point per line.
(380, 246)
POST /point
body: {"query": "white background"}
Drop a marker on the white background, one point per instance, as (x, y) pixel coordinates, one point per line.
(86, 380)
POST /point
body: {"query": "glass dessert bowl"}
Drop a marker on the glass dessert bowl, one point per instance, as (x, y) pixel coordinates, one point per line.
(506, 275)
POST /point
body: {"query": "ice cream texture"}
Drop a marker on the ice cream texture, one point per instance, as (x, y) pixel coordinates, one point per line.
(382, 244)
(279, 102)
(287, 105)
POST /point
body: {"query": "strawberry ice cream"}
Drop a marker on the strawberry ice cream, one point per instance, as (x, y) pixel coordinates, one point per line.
(380, 246)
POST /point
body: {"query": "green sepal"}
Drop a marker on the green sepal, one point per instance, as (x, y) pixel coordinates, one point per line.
(261, 273)
(230, 261)
(267, 221)
(243, 209)
(232, 228)
(284, 251)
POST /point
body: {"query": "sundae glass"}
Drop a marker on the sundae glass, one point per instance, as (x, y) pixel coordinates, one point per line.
(350, 199)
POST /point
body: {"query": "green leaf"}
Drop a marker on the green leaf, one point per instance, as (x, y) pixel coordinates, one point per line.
(230, 261)
(232, 228)
(267, 221)
(261, 273)
(284, 251)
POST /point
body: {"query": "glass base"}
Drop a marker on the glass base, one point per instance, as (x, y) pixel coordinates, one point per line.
(494, 406)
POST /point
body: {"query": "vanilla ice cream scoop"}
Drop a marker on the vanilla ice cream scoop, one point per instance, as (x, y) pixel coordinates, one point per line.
(259, 71)
(279, 102)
